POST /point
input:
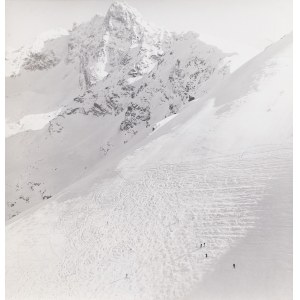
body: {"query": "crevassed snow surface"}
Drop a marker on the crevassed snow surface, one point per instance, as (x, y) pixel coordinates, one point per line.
(205, 177)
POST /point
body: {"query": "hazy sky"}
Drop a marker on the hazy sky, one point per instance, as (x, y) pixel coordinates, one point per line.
(252, 24)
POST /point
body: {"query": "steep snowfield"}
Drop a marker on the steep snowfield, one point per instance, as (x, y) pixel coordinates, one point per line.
(218, 173)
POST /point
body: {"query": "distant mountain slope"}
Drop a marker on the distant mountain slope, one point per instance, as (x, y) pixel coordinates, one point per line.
(104, 84)
(169, 208)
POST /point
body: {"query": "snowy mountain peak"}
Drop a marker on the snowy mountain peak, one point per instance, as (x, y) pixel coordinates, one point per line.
(126, 23)
(123, 12)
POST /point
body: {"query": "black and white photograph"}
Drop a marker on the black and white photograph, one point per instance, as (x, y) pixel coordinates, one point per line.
(148, 150)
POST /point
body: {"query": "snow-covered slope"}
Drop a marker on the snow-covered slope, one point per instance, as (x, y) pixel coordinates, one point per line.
(112, 79)
(139, 225)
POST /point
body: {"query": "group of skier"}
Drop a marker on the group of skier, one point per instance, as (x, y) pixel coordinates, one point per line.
(233, 265)
(206, 255)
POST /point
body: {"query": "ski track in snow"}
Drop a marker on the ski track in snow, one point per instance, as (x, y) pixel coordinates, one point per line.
(150, 222)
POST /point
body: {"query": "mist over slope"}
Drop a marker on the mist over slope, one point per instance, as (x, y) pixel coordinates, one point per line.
(148, 191)
(92, 92)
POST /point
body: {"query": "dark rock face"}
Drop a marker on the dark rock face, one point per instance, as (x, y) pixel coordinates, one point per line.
(134, 115)
(40, 61)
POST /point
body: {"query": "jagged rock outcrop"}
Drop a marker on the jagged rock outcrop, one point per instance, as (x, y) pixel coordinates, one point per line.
(40, 61)
(122, 59)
